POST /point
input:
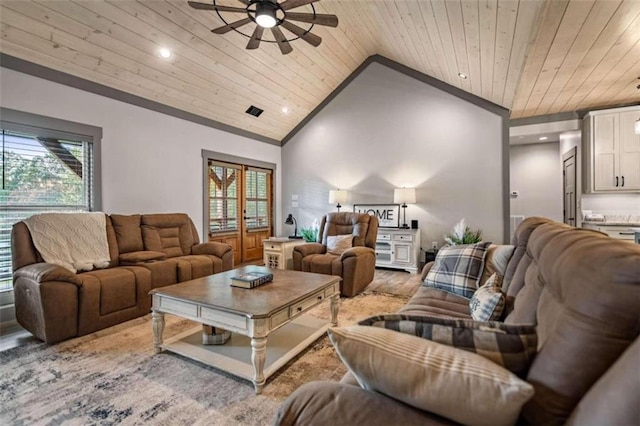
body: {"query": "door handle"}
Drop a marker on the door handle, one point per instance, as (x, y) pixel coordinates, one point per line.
(622, 180)
(616, 181)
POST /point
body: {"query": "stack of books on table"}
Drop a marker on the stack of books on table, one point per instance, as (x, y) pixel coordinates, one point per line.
(251, 279)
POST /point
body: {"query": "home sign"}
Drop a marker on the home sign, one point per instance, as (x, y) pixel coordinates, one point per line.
(388, 214)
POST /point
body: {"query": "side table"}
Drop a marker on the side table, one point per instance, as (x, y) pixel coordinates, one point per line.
(278, 252)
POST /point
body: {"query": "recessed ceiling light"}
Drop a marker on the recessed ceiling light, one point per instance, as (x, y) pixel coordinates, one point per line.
(165, 53)
(543, 138)
(462, 76)
(285, 110)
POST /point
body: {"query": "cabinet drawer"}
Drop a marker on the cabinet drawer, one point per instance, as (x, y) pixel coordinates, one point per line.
(384, 237)
(307, 303)
(618, 232)
(178, 307)
(279, 317)
(226, 318)
(403, 237)
(334, 289)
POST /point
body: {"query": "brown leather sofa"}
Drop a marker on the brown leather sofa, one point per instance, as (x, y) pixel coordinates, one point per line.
(356, 265)
(582, 291)
(146, 251)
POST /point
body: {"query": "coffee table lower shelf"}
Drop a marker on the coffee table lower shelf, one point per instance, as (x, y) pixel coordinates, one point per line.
(235, 356)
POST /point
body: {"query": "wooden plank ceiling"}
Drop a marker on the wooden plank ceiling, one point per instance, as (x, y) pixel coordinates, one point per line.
(533, 57)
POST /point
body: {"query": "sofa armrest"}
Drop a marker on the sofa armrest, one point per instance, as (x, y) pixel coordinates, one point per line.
(310, 248)
(212, 248)
(43, 272)
(425, 270)
(356, 252)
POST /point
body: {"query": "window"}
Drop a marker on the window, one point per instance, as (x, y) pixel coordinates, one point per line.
(42, 170)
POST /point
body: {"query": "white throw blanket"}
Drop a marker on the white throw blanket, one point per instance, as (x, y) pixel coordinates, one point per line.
(75, 241)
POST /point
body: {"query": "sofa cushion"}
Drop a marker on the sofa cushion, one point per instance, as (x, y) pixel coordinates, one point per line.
(337, 244)
(435, 302)
(487, 302)
(166, 240)
(175, 231)
(117, 288)
(128, 232)
(195, 266)
(354, 224)
(458, 269)
(136, 257)
(510, 346)
(459, 385)
(496, 261)
(328, 264)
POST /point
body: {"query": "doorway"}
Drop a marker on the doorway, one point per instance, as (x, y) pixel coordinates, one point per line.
(239, 207)
(569, 186)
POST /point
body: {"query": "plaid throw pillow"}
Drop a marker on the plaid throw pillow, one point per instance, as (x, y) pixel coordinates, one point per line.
(511, 346)
(458, 269)
(487, 303)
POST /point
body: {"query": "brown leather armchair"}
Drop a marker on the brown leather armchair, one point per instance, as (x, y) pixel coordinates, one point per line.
(356, 265)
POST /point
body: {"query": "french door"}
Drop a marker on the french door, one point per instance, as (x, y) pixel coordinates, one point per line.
(240, 207)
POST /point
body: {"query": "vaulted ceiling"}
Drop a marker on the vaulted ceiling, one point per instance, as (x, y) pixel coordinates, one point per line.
(532, 57)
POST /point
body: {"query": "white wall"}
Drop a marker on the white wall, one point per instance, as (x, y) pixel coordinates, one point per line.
(388, 130)
(536, 174)
(151, 162)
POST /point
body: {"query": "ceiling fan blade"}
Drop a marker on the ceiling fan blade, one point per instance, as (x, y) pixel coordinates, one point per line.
(255, 38)
(225, 29)
(310, 38)
(291, 4)
(318, 19)
(283, 44)
(201, 6)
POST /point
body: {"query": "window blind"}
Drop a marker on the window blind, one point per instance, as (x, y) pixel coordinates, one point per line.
(40, 171)
(224, 209)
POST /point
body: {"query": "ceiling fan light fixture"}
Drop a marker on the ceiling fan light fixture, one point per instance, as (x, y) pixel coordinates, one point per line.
(636, 129)
(266, 15)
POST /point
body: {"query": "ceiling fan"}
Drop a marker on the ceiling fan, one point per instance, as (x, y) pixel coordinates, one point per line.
(269, 14)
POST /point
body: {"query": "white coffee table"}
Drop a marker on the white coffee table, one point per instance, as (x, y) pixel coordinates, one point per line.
(268, 324)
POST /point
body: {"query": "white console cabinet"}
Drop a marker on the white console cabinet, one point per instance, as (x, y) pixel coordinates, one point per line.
(398, 248)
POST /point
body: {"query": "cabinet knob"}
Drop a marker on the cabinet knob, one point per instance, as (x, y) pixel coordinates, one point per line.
(616, 181)
(622, 180)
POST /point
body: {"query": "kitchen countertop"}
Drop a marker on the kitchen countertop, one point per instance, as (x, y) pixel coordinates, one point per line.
(610, 223)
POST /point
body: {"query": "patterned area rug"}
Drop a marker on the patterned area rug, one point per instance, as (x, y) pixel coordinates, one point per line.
(113, 377)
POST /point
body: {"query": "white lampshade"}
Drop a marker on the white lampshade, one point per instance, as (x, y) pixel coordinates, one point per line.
(404, 195)
(338, 196)
(637, 127)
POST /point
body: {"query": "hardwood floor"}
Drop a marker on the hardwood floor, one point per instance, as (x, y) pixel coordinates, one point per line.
(12, 336)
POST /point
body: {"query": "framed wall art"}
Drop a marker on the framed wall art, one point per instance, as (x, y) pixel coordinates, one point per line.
(388, 214)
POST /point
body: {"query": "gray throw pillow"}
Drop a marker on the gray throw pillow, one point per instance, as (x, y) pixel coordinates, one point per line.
(458, 269)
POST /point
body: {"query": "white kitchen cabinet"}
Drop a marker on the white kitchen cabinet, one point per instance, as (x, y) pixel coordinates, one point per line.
(619, 232)
(398, 248)
(612, 151)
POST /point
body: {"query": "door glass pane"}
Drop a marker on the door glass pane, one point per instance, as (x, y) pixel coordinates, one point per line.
(223, 198)
(258, 187)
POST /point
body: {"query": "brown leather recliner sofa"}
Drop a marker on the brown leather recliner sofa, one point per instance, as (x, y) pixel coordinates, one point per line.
(582, 291)
(147, 251)
(356, 265)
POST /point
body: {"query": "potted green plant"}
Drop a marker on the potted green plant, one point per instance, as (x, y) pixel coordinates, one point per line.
(310, 234)
(462, 234)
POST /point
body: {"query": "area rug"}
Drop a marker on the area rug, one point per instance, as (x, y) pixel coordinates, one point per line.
(113, 377)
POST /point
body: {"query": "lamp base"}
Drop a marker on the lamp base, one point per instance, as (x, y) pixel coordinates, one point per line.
(295, 237)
